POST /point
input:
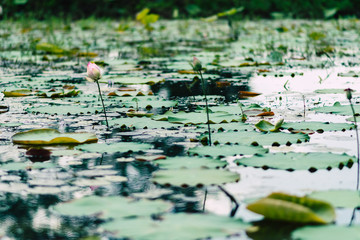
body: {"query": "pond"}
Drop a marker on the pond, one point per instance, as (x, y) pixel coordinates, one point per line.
(279, 118)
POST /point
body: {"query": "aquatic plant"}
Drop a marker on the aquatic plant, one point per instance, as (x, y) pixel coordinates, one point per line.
(197, 67)
(349, 97)
(93, 75)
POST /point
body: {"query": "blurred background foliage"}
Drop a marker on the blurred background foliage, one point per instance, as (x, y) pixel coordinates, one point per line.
(44, 9)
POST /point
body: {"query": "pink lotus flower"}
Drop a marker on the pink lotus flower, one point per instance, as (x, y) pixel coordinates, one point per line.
(196, 64)
(93, 72)
(348, 93)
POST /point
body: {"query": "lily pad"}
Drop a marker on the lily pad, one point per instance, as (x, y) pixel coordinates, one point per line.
(193, 177)
(339, 198)
(141, 122)
(266, 126)
(298, 161)
(112, 207)
(133, 80)
(337, 108)
(256, 138)
(227, 150)
(318, 126)
(18, 93)
(284, 207)
(115, 147)
(178, 226)
(64, 109)
(327, 232)
(197, 117)
(51, 136)
(189, 162)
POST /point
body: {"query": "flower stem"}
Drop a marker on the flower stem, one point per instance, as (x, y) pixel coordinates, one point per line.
(357, 145)
(102, 101)
(206, 103)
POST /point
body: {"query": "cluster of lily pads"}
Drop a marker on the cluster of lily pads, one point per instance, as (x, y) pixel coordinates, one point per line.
(138, 159)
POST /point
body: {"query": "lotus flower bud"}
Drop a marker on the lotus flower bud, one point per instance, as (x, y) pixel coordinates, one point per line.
(348, 93)
(93, 72)
(196, 64)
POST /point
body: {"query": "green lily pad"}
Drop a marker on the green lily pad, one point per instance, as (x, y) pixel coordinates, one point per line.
(298, 161)
(18, 93)
(189, 162)
(331, 232)
(49, 48)
(115, 147)
(64, 109)
(141, 122)
(133, 80)
(339, 198)
(264, 139)
(146, 103)
(227, 150)
(284, 207)
(112, 207)
(178, 226)
(318, 126)
(193, 177)
(51, 136)
(337, 108)
(197, 117)
(17, 166)
(266, 126)
(331, 91)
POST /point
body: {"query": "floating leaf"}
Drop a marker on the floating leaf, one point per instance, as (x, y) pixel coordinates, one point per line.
(327, 232)
(140, 122)
(64, 109)
(197, 117)
(193, 177)
(179, 226)
(49, 48)
(112, 207)
(298, 161)
(290, 208)
(245, 94)
(52, 136)
(318, 126)
(18, 93)
(339, 198)
(133, 80)
(256, 138)
(266, 126)
(337, 108)
(331, 91)
(227, 150)
(115, 147)
(189, 162)
(264, 114)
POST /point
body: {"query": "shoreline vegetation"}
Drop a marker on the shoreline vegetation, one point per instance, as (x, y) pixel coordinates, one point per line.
(272, 9)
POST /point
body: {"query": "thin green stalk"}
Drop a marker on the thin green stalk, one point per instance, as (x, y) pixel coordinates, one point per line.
(206, 192)
(206, 103)
(102, 101)
(357, 145)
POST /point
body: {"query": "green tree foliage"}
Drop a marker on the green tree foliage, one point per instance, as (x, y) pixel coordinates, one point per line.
(166, 8)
